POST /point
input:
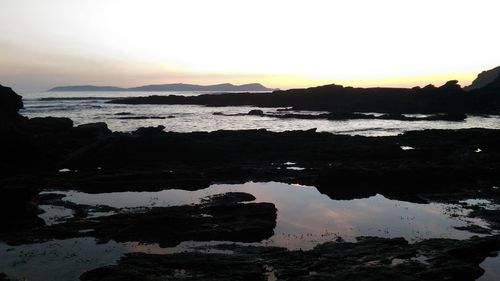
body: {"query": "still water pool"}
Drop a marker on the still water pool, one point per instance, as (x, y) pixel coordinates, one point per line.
(305, 218)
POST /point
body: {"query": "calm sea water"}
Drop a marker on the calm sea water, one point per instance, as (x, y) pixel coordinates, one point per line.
(88, 107)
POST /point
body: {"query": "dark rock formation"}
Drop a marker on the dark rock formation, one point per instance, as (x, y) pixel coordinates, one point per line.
(28, 149)
(141, 117)
(368, 259)
(442, 160)
(340, 166)
(18, 209)
(454, 117)
(10, 104)
(96, 129)
(222, 218)
(449, 98)
(484, 78)
(50, 124)
(451, 87)
(149, 131)
(4, 277)
(256, 112)
(493, 85)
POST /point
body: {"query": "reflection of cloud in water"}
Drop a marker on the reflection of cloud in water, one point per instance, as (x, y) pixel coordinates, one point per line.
(307, 217)
(491, 265)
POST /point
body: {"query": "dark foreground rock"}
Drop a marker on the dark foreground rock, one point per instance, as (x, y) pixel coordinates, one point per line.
(368, 259)
(436, 164)
(18, 208)
(4, 277)
(340, 166)
(439, 160)
(34, 150)
(28, 149)
(343, 167)
(222, 218)
(10, 104)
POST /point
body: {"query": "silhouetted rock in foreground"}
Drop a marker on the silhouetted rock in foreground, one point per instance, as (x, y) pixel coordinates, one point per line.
(28, 148)
(4, 277)
(222, 218)
(18, 209)
(369, 259)
(10, 104)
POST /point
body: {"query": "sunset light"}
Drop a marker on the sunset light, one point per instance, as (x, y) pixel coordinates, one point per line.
(281, 44)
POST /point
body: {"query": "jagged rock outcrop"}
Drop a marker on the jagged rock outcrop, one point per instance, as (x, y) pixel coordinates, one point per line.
(451, 87)
(370, 259)
(493, 85)
(28, 148)
(484, 78)
(10, 102)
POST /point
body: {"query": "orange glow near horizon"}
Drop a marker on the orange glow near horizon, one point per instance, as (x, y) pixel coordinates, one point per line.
(288, 82)
(280, 44)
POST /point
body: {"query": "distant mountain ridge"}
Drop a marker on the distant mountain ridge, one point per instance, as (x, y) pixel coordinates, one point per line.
(164, 87)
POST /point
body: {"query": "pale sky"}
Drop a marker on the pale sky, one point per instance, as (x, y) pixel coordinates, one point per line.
(281, 44)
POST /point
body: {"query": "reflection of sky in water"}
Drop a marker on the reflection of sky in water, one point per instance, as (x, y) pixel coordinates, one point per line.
(57, 260)
(54, 214)
(63, 260)
(190, 118)
(491, 266)
(307, 217)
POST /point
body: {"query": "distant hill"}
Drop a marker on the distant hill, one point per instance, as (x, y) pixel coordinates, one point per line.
(165, 87)
(484, 78)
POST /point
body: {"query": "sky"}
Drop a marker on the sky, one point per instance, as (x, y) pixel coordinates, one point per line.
(281, 44)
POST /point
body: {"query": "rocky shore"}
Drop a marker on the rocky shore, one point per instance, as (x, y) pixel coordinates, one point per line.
(221, 217)
(423, 166)
(368, 259)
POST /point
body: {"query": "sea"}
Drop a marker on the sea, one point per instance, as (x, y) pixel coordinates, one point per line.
(90, 107)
